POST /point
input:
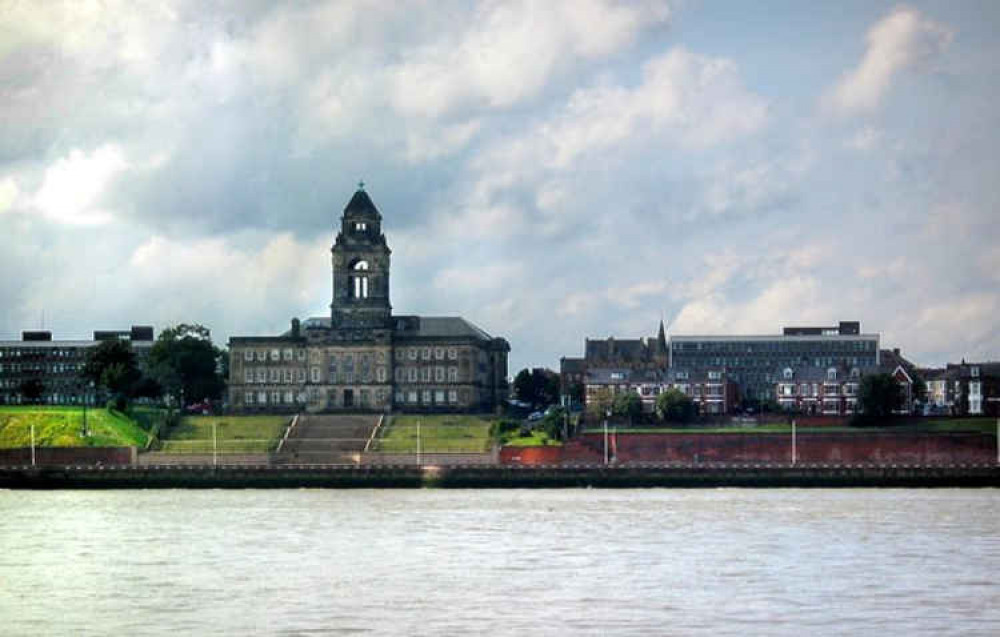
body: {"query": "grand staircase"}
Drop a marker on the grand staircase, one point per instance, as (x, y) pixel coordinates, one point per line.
(326, 439)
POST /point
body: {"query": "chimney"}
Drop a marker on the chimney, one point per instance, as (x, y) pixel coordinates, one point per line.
(296, 328)
(895, 350)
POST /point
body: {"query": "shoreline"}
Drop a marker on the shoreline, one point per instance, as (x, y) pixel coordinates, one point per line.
(645, 475)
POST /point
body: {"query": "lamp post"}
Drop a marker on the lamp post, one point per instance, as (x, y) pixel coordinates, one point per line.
(418, 444)
(607, 415)
(86, 398)
(794, 450)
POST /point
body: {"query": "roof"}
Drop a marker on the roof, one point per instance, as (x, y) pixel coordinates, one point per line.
(610, 375)
(60, 344)
(417, 327)
(771, 337)
(811, 373)
(361, 204)
(628, 349)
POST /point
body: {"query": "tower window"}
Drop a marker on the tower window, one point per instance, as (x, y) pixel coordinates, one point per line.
(360, 226)
(359, 281)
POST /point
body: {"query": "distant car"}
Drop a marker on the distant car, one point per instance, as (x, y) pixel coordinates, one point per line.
(519, 403)
(535, 415)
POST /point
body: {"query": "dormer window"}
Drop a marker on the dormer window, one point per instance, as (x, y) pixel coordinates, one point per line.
(831, 374)
(787, 373)
(855, 372)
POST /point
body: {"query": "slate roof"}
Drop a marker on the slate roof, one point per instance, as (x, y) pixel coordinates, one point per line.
(416, 326)
(361, 203)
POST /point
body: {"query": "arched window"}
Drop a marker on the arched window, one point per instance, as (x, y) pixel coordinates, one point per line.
(831, 374)
(359, 280)
(787, 373)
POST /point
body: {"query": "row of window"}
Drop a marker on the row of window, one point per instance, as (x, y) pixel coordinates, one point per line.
(51, 353)
(778, 346)
(49, 368)
(424, 374)
(807, 389)
(403, 353)
(275, 354)
(288, 376)
(427, 397)
(425, 353)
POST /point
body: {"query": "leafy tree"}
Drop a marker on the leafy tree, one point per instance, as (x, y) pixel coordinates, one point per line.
(32, 389)
(554, 422)
(674, 406)
(537, 386)
(627, 405)
(112, 366)
(576, 392)
(184, 363)
(879, 395)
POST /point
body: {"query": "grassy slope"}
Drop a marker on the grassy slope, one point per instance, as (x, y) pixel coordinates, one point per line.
(60, 427)
(236, 434)
(438, 434)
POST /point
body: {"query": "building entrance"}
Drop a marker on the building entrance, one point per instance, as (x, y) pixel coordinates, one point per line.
(348, 398)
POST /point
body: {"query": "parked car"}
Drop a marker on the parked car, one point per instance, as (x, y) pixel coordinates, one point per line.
(535, 416)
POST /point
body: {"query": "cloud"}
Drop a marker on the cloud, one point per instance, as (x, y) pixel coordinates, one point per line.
(8, 194)
(73, 185)
(901, 40)
(865, 139)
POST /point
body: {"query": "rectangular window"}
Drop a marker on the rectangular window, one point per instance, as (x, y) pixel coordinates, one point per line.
(248, 375)
(314, 374)
(301, 375)
(411, 397)
(426, 354)
(248, 398)
(439, 396)
(248, 355)
(426, 396)
(287, 376)
(439, 353)
(412, 353)
(453, 374)
(275, 375)
(399, 398)
(275, 355)
(261, 375)
(452, 396)
(380, 374)
(261, 355)
(452, 353)
(287, 355)
(289, 397)
(301, 355)
(439, 374)
(262, 397)
(412, 374)
(425, 374)
(276, 398)
(398, 374)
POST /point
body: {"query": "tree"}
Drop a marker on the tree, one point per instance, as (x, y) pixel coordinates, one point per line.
(576, 391)
(674, 406)
(538, 386)
(879, 395)
(112, 366)
(627, 405)
(184, 363)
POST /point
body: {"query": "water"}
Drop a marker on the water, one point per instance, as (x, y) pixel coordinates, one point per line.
(566, 562)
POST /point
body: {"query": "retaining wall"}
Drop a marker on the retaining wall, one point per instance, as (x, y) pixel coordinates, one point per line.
(69, 456)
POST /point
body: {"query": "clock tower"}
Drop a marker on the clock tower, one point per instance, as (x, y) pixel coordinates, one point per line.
(360, 268)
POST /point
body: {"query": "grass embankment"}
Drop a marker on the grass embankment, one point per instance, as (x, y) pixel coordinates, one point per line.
(458, 433)
(968, 425)
(534, 439)
(61, 427)
(235, 434)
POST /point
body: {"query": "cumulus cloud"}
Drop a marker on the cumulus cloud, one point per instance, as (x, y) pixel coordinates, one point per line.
(72, 187)
(903, 39)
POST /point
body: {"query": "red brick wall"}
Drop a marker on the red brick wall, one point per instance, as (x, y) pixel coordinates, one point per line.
(902, 448)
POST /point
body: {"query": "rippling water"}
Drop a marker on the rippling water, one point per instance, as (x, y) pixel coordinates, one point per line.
(651, 562)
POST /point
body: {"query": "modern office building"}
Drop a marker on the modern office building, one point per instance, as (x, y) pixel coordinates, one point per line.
(37, 364)
(754, 362)
(362, 356)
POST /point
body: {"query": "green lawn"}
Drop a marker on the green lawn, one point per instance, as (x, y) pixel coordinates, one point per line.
(536, 439)
(438, 434)
(61, 426)
(236, 434)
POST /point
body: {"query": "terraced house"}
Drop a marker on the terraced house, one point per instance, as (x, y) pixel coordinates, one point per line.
(362, 357)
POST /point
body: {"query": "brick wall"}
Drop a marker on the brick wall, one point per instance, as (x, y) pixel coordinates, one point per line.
(69, 456)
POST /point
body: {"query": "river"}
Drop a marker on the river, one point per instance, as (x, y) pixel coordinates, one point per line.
(551, 562)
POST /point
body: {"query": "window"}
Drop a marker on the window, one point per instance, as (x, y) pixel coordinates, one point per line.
(412, 353)
(831, 374)
(439, 374)
(261, 375)
(974, 372)
(360, 226)
(439, 396)
(400, 354)
(426, 397)
(301, 355)
(248, 355)
(714, 375)
(248, 375)
(287, 355)
(262, 397)
(314, 373)
(399, 374)
(411, 397)
(276, 398)
(248, 398)
(425, 374)
(287, 376)
(452, 396)
(301, 375)
(452, 353)
(787, 373)
(380, 374)
(452, 374)
(275, 375)
(275, 355)
(289, 397)
(399, 397)
(359, 280)
(412, 374)
(262, 355)
(426, 354)
(439, 353)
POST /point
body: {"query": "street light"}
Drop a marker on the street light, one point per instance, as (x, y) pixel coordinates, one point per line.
(607, 415)
(86, 397)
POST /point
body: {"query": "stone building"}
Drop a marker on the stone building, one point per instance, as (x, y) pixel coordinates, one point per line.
(362, 357)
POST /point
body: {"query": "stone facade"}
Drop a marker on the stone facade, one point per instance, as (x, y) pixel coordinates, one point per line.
(362, 357)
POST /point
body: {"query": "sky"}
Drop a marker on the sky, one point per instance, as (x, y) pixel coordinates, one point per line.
(549, 170)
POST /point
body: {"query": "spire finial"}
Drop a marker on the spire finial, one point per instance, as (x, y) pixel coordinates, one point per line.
(361, 185)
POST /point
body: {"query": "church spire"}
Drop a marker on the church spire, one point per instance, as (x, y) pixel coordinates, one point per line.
(661, 339)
